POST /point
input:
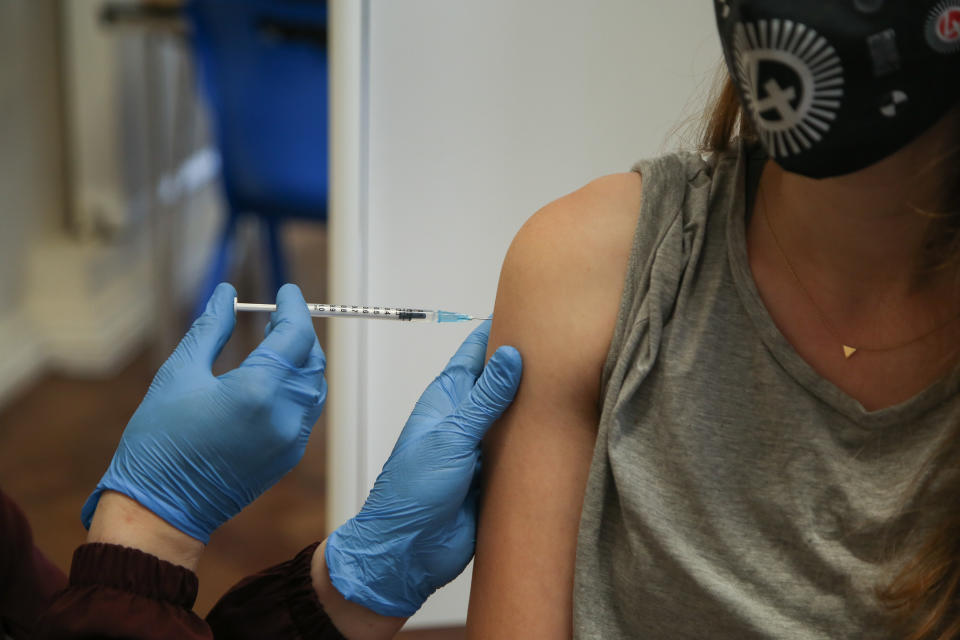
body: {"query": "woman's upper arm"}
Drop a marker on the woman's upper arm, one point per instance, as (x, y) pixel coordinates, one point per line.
(557, 302)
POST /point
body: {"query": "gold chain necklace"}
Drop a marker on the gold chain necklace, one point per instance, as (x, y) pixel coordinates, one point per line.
(848, 351)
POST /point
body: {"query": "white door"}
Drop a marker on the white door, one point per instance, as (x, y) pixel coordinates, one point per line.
(452, 123)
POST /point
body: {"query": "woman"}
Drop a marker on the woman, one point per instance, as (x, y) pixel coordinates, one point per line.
(739, 421)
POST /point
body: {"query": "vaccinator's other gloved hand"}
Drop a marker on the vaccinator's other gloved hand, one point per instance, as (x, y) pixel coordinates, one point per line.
(202, 447)
(417, 529)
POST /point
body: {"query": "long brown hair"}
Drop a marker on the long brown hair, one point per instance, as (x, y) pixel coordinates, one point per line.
(923, 597)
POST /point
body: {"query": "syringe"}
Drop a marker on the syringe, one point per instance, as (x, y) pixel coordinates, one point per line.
(372, 313)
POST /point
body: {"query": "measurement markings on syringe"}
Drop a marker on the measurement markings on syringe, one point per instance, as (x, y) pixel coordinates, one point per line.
(359, 311)
(355, 310)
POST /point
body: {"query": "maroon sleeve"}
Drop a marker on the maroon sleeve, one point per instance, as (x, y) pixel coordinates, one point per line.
(279, 602)
(28, 580)
(118, 592)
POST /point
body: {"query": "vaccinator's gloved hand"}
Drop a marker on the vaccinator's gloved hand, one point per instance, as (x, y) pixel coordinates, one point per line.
(417, 529)
(200, 448)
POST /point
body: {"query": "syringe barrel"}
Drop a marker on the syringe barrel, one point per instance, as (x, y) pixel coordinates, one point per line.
(350, 311)
(372, 313)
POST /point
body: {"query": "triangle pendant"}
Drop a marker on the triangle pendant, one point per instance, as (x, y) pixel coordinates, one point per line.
(848, 351)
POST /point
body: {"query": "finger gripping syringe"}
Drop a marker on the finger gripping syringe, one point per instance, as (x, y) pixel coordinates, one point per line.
(371, 313)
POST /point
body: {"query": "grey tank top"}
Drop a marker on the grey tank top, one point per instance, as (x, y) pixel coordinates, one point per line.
(735, 493)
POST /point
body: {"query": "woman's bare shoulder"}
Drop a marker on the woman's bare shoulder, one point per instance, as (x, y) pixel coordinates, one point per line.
(594, 216)
(563, 276)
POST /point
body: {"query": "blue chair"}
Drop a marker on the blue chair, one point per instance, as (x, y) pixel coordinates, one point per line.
(263, 71)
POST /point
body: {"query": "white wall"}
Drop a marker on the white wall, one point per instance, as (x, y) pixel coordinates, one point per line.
(31, 172)
(472, 115)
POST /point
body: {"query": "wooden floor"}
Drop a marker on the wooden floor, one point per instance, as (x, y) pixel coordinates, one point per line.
(57, 438)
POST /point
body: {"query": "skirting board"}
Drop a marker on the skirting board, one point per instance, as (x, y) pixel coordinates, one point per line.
(90, 304)
(75, 320)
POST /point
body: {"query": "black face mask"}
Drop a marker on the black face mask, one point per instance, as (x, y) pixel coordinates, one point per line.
(833, 86)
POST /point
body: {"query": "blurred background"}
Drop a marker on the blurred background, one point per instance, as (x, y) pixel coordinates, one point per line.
(372, 151)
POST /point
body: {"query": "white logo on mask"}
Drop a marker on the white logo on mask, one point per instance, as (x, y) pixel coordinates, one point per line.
(793, 81)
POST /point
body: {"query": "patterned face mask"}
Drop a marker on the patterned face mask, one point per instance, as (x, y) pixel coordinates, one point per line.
(834, 86)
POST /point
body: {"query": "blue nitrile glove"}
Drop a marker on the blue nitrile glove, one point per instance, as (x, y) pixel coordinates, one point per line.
(200, 448)
(417, 529)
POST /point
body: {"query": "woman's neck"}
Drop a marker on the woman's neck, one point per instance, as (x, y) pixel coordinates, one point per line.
(859, 238)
